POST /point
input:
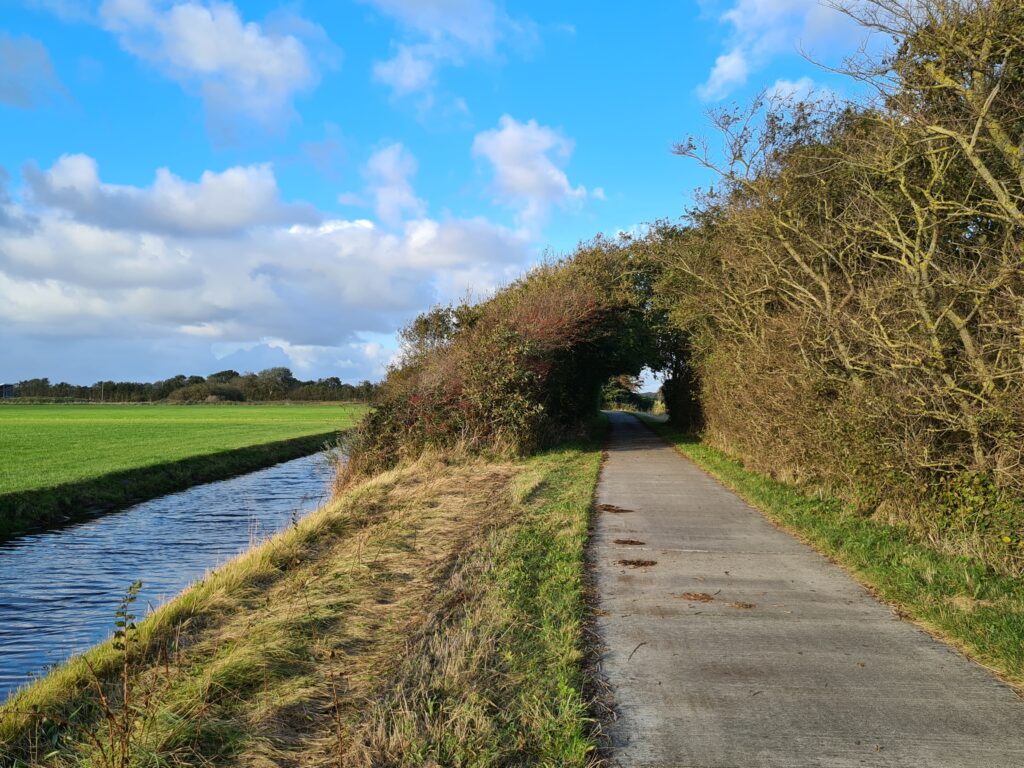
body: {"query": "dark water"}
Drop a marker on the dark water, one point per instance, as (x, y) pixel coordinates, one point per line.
(59, 589)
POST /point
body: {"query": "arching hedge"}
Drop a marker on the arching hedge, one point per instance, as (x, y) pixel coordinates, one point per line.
(846, 309)
(517, 371)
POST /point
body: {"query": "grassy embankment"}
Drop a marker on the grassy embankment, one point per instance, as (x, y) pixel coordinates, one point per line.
(958, 598)
(62, 462)
(431, 615)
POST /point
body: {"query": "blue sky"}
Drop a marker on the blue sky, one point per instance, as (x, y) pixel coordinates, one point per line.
(191, 186)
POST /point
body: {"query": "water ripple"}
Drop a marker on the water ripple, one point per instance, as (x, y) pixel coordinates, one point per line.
(59, 589)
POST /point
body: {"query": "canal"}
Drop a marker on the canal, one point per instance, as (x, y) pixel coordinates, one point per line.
(59, 589)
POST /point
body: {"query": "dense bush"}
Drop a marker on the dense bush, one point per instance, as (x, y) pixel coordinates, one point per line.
(851, 296)
(515, 372)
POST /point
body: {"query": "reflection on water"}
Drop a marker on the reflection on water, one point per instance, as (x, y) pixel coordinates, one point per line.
(59, 589)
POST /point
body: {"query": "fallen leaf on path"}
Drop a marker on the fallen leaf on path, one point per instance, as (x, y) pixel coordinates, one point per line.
(745, 606)
(697, 597)
(630, 542)
(612, 508)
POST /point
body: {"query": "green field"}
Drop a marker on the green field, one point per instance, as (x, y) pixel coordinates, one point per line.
(59, 459)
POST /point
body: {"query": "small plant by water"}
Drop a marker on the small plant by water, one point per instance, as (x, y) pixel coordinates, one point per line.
(120, 720)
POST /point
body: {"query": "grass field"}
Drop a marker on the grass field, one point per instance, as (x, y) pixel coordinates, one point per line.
(431, 615)
(60, 459)
(957, 598)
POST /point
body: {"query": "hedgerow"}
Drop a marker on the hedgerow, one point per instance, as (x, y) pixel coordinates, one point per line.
(516, 372)
(852, 293)
(844, 309)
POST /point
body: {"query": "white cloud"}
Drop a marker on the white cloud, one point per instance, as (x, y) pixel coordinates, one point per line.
(355, 360)
(306, 285)
(27, 76)
(476, 24)
(444, 32)
(411, 69)
(389, 191)
(302, 356)
(218, 204)
(528, 159)
(102, 259)
(460, 248)
(239, 67)
(388, 173)
(730, 70)
(762, 29)
(804, 88)
(310, 293)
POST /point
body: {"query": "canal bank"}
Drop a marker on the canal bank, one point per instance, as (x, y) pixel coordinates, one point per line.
(27, 511)
(62, 587)
(433, 612)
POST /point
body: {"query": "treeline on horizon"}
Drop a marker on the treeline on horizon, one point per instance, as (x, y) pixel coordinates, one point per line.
(844, 309)
(268, 385)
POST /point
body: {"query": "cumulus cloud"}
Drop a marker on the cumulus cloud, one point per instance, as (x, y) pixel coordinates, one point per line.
(27, 76)
(312, 292)
(498, 255)
(103, 259)
(762, 29)
(805, 88)
(389, 172)
(528, 160)
(218, 204)
(240, 67)
(7, 208)
(411, 69)
(440, 32)
(730, 70)
(389, 190)
(356, 360)
(307, 285)
(474, 23)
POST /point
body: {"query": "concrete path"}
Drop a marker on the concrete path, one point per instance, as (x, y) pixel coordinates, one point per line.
(790, 663)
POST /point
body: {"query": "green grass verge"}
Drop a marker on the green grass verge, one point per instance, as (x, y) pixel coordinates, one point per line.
(70, 462)
(528, 623)
(432, 615)
(541, 576)
(958, 598)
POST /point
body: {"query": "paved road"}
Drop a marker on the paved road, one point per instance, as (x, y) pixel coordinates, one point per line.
(790, 663)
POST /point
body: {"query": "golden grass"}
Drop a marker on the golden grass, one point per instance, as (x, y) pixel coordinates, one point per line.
(387, 628)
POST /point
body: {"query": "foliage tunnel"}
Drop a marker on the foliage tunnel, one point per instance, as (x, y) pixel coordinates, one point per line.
(844, 309)
(518, 371)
